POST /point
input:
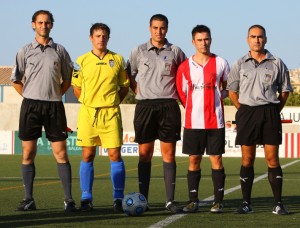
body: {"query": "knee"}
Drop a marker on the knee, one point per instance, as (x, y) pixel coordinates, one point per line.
(61, 156)
(115, 156)
(168, 155)
(216, 162)
(247, 162)
(28, 155)
(272, 162)
(88, 157)
(169, 158)
(194, 162)
(145, 157)
(28, 158)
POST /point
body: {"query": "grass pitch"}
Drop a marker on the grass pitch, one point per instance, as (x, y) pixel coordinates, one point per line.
(48, 195)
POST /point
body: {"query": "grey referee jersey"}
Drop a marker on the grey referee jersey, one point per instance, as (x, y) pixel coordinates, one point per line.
(42, 68)
(155, 70)
(259, 83)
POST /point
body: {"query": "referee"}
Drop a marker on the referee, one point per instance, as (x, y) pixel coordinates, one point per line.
(259, 85)
(45, 68)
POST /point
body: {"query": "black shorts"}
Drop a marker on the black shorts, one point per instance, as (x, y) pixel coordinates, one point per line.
(37, 114)
(157, 119)
(196, 141)
(258, 125)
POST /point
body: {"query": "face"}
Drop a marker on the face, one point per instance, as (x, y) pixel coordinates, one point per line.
(42, 25)
(202, 42)
(158, 31)
(256, 40)
(99, 40)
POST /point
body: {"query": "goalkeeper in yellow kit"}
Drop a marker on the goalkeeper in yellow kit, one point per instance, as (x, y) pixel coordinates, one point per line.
(100, 83)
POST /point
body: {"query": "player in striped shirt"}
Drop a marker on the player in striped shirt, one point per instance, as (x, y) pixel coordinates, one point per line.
(201, 85)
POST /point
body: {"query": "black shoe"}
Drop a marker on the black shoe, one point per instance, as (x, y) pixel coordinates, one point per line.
(191, 207)
(172, 207)
(70, 205)
(279, 209)
(26, 205)
(86, 205)
(217, 207)
(117, 205)
(244, 208)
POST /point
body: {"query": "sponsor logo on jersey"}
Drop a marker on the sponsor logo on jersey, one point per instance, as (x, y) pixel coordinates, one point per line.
(101, 63)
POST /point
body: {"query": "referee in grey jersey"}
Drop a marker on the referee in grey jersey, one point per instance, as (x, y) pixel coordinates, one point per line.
(259, 85)
(42, 74)
(157, 114)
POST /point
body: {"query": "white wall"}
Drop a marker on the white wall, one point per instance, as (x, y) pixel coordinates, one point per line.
(9, 116)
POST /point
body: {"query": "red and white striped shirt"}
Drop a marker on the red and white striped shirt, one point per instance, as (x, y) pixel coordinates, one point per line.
(198, 89)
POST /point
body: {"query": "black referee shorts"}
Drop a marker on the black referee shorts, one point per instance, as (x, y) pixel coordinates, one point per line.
(157, 119)
(258, 125)
(199, 141)
(36, 114)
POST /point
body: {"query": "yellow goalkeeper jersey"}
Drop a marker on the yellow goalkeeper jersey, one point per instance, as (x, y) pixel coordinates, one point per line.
(100, 79)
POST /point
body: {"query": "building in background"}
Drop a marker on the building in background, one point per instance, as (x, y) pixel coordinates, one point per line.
(9, 95)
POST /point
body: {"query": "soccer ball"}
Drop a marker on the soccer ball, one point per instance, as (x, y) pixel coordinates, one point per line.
(134, 204)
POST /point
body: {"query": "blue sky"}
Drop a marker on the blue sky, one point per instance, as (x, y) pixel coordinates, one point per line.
(129, 20)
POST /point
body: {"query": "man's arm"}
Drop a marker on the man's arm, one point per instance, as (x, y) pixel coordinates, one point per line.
(133, 84)
(18, 85)
(77, 91)
(224, 92)
(234, 97)
(282, 98)
(123, 92)
(131, 69)
(181, 85)
(65, 85)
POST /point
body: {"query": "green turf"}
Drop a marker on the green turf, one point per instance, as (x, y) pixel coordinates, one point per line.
(48, 195)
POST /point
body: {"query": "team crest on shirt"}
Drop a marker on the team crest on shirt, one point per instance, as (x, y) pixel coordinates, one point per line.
(111, 62)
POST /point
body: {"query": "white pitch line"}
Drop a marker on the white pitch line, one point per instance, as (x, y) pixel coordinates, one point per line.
(173, 218)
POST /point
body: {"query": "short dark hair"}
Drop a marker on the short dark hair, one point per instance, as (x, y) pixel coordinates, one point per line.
(34, 16)
(99, 26)
(200, 29)
(257, 26)
(159, 17)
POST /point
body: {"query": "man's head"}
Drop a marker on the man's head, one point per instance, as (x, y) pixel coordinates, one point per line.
(201, 39)
(200, 29)
(99, 26)
(158, 28)
(256, 38)
(42, 23)
(159, 17)
(99, 36)
(50, 15)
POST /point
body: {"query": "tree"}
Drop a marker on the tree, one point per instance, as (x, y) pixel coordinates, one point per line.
(293, 99)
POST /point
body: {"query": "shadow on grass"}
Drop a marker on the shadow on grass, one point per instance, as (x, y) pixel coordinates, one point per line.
(105, 214)
(44, 217)
(259, 204)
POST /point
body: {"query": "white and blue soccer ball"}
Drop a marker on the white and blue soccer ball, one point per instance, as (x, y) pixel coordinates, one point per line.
(134, 204)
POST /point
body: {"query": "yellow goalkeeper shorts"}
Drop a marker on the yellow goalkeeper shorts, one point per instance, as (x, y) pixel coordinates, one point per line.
(99, 127)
